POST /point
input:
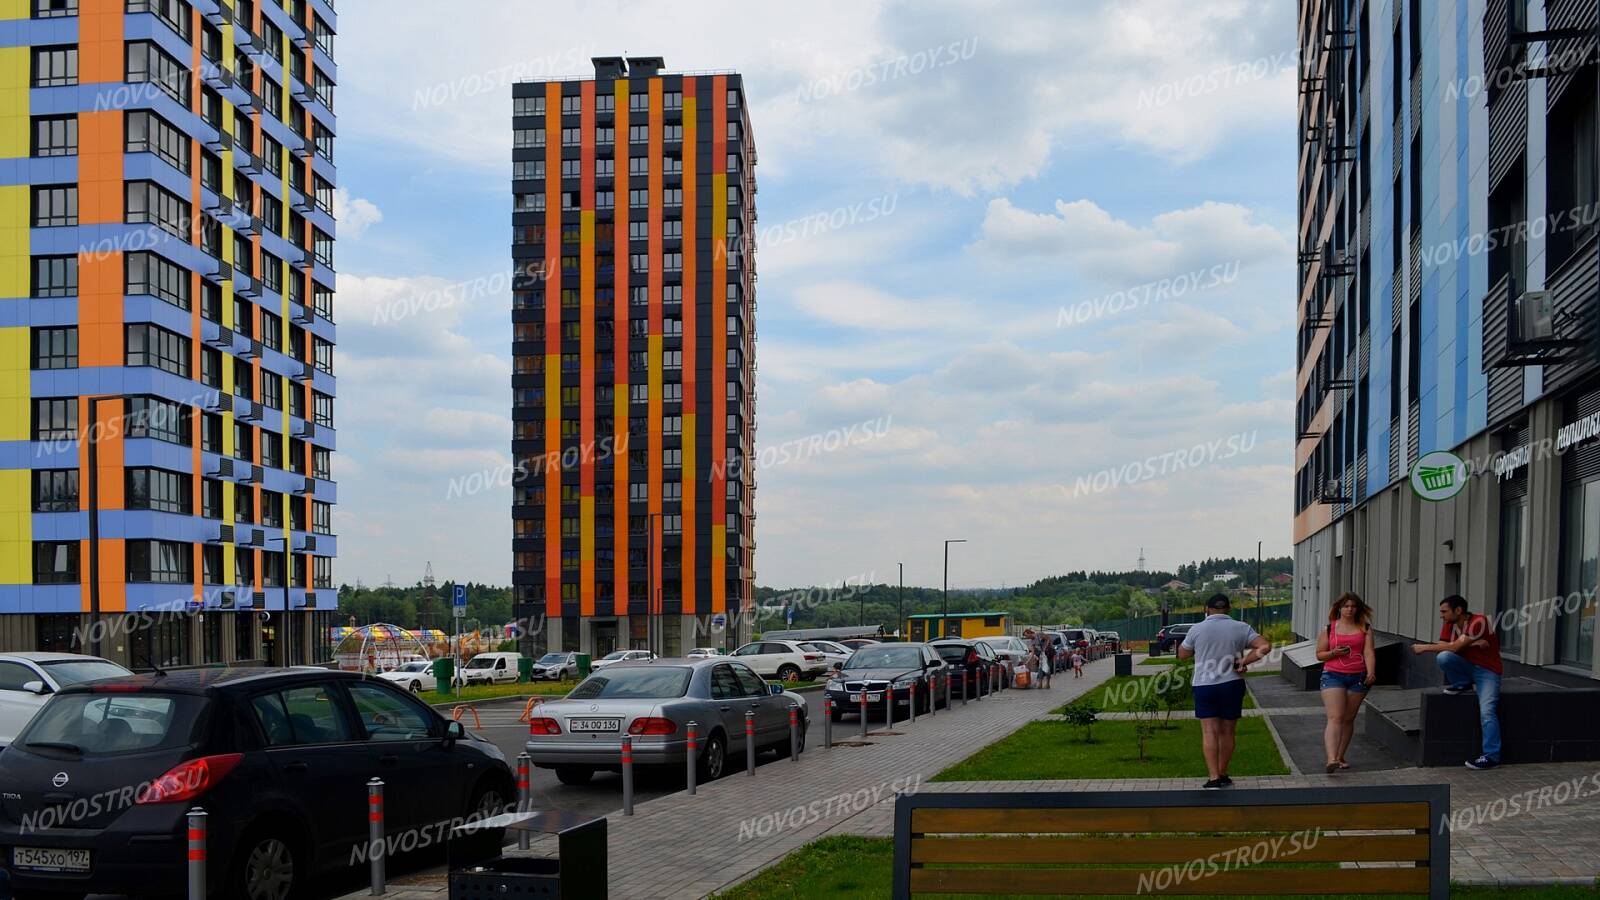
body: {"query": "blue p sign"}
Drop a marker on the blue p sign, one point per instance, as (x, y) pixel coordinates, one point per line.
(460, 595)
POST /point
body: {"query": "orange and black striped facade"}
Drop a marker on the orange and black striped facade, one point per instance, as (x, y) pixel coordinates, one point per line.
(633, 349)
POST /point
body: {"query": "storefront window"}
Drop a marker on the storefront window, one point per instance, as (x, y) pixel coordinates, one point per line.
(1580, 561)
(1513, 574)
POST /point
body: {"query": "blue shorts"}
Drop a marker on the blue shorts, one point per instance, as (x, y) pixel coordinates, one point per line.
(1219, 701)
(1356, 684)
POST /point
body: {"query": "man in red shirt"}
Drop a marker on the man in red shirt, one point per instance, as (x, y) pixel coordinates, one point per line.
(1469, 658)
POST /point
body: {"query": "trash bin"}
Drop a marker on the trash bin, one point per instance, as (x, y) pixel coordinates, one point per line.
(585, 665)
(525, 669)
(444, 669)
(1124, 664)
(478, 871)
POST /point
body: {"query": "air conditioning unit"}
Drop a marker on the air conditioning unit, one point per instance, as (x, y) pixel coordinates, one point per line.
(1535, 316)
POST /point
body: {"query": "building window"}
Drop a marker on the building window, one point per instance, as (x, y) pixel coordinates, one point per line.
(55, 348)
(55, 419)
(55, 205)
(149, 133)
(322, 571)
(321, 517)
(527, 106)
(271, 392)
(55, 135)
(54, 9)
(159, 490)
(55, 490)
(152, 345)
(322, 247)
(55, 66)
(323, 352)
(147, 273)
(322, 409)
(322, 301)
(148, 203)
(673, 133)
(321, 463)
(55, 562)
(55, 276)
(324, 140)
(161, 420)
(527, 138)
(160, 562)
(149, 64)
(175, 13)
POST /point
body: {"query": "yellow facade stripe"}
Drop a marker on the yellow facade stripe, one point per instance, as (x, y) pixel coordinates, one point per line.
(14, 98)
(14, 9)
(14, 384)
(16, 527)
(14, 240)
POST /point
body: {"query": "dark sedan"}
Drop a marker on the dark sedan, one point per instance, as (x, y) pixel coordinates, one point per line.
(95, 792)
(884, 671)
(1170, 636)
(971, 665)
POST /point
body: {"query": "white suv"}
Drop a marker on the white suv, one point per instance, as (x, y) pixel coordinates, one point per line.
(28, 679)
(784, 660)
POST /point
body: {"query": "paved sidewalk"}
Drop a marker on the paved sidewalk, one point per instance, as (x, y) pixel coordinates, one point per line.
(687, 847)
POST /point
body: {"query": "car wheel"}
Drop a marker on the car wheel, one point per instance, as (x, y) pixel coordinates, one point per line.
(266, 867)
(416, 687)
(789, 672)
(574, 774)
(713, 759)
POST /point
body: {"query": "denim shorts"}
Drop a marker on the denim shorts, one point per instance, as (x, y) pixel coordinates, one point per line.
(1356, 684)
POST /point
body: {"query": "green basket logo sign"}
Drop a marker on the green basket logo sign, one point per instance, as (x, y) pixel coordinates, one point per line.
(1439, 475)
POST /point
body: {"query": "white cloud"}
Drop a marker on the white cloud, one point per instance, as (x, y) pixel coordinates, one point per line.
(354, 214)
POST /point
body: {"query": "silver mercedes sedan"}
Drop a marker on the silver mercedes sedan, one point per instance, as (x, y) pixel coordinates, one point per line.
(654, 701)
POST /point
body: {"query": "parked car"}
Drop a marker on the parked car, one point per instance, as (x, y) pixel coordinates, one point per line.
(414, 676)
(490, 668)
(27, 680)
(555, 667)
(783, 660)
(98, 787)
(654, 703)
(833, 654)
(858, 643)
(874, 671)
(1111, 639)
(705, 652)
(1010, 650)
(1081, 639)
(1168, 637)
(970, 664)
(617, 656)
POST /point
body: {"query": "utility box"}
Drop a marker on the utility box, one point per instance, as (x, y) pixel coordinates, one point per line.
(1124, 664)
(585, 665)
(525, 669)
(444, 671)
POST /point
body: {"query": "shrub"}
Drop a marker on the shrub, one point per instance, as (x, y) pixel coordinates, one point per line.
(1144, 725)
(1177, 691)
(1083, 714)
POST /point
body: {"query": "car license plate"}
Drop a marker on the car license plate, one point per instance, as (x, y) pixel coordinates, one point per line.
(47, 860)
(873, 697)
(588, 725)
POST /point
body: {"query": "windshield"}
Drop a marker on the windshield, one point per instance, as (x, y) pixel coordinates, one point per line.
(72, 671)
(552, 658)
(624, 683)
(480, 662)
(615, 655)
(414, 667)
(951, 652)
(106, 724)
(885, 657)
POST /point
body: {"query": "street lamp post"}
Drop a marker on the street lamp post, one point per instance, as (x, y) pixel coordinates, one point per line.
(944, 620)
(900, 600)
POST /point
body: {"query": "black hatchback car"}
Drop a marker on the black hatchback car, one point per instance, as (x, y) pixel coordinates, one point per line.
(972, 665)
(888, 671)
(94, 793)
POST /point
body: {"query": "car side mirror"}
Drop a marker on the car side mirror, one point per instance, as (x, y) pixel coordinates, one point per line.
(775, 690)
(36, 687)
(454, 731)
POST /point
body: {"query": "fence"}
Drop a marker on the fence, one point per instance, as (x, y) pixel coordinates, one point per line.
(1145, 627)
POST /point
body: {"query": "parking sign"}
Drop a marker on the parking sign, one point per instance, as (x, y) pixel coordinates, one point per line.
(459, 595)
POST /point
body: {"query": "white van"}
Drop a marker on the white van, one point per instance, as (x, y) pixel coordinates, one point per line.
(490, 668)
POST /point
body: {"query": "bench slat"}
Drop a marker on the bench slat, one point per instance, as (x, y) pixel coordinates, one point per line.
(1279, 882)
(1351, 817)
(1153, 850)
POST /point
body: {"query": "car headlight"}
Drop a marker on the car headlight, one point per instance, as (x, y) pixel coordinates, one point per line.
(835, 685)
(905, 681)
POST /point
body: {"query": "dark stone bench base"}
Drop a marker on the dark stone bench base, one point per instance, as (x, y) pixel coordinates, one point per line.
(1538, 723)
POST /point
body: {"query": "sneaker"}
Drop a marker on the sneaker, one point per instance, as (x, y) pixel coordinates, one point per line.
(1482, 762)
(1225, 781)
(1452, 689)
(1214, 784)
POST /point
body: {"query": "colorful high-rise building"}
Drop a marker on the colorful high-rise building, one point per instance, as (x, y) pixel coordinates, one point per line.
(1448, 358)
(166, 328)
(633, 352)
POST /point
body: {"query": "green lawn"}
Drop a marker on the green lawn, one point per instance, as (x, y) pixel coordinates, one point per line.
(1118, 694)
(1159, 661)
(491, 691)
(863, 867)
(1055, 750)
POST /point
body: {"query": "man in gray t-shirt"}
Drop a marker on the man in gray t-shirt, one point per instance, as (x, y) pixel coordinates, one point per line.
(1222, 647)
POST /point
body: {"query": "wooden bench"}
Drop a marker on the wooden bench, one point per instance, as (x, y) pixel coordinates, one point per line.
(1278, 842)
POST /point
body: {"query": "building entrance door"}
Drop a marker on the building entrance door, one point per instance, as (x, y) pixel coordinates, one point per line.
(605, 638)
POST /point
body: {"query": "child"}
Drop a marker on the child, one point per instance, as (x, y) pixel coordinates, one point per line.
(1077, 664)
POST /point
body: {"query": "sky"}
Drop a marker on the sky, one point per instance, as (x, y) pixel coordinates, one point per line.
(1026, 277)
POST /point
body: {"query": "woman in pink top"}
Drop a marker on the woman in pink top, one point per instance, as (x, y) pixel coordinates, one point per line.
(1345, 648)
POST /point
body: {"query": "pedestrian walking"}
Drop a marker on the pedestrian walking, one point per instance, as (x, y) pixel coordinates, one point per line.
(1349, 668)
(1046, 651)
(1222, 648)
(1077, 664)
(1469, 659)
